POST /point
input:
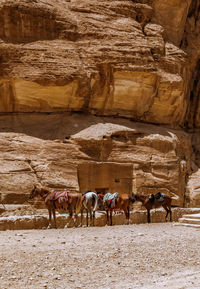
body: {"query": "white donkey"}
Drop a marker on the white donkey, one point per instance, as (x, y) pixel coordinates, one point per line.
(89, 203)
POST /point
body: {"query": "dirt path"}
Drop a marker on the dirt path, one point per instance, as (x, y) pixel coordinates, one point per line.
(136, 256)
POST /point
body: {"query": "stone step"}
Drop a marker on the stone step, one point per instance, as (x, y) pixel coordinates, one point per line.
(188, 225)
(192, 216)
(21, 217)
(189, 220)
(11, 207)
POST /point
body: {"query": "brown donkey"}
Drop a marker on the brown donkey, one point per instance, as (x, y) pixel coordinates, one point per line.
(115, 202)
(62, 201)
(154, 201)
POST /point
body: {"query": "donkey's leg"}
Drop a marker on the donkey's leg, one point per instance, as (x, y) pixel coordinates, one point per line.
(148, 216)
(81, 217)
(90, 217)
(111, 217)
(70, 216)
(87, 217)
(69, 219)
(93, 219)
(107, 217)
(54, 218)
(128, 214)
(166, 209)
(76, 219)
(49, 225)
(170, 212)
(166, 215)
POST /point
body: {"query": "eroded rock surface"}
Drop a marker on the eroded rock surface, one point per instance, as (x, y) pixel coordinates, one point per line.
(140, 158)
(108, 57)
(135, 59)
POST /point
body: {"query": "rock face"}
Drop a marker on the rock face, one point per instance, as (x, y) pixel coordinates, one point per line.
(133, 59)
(139, 158)
(98, 55)
(193, 190)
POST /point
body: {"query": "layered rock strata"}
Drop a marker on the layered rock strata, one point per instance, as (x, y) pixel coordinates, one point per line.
(108, 58)
(137, 158)
(134, 59)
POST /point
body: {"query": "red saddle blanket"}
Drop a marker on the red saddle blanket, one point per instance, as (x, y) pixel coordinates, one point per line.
(61, 196)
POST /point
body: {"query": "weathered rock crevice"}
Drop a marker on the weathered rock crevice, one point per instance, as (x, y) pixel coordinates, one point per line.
(118, 60)
(105, 40)
(193, 118)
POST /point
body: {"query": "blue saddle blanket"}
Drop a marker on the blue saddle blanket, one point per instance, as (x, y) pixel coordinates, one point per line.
(160, 197)
(110, 197)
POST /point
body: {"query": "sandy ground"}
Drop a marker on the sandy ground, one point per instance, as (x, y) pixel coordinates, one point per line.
(145, 256)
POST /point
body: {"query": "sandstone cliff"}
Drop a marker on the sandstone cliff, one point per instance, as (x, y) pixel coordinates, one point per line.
(125, 59)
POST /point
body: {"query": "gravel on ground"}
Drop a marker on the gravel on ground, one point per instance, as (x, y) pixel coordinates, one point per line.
(145, 256)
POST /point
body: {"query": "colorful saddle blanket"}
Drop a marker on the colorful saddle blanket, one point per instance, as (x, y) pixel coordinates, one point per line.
(61, 196)
(159, 197)
(110, 196)
(109, 199)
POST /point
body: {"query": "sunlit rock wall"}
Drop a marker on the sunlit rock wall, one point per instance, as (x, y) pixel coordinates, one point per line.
(109, 58)
(136, 59)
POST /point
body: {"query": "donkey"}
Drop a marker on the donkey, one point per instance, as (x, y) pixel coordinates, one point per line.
(61, 201)
(155, 201)
(89, 203)
(114, 202)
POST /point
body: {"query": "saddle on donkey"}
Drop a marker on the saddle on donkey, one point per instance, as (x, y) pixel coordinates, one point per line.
(60, 197)
(109, 199)
(159, 197)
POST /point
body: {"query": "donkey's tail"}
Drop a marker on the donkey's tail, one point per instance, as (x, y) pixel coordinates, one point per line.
(95, 202)
(78, 205)
(174, 196)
